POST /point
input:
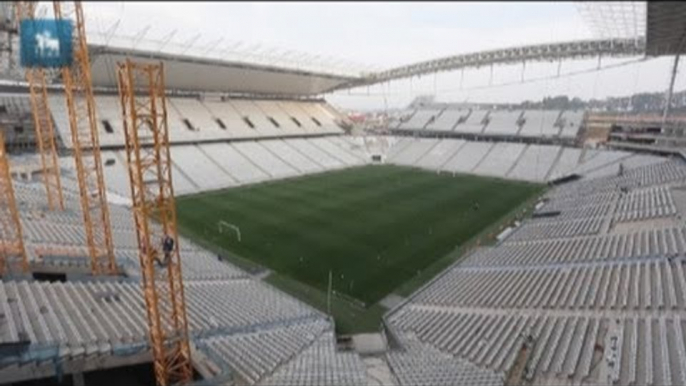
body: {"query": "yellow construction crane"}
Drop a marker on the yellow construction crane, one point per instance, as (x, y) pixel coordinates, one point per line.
(84, 136)
(12, 252)
(45, 133)
(144, 109)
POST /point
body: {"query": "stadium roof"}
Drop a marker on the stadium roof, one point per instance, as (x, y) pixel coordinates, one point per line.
(666, 29)
(200, 73)
(614, 19)
(621, 28)
(194, 73)
(661, 24)
(531, 53)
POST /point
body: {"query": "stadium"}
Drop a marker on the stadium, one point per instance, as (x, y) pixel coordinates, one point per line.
(171, 216)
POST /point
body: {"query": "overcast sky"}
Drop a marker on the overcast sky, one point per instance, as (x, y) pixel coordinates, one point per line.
(391, 34)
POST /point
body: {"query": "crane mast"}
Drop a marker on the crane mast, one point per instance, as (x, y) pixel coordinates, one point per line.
(84, 135)
(144, 110)
(42, 121)
(12, 252)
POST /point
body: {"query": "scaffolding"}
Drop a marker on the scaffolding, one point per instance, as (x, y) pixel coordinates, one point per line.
(42, 121)
(142, 96)
(84, 135)
(12, 252)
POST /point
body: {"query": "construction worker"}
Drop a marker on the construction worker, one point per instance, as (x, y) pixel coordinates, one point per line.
(167, 249)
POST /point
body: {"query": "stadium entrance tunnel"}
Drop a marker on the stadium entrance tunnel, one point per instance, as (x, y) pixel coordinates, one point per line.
(565, 179)
(49, 270)
(136, 375)
(51, 277)
(550, 213)
(141, 374)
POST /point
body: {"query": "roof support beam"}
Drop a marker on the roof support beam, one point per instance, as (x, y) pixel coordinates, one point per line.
(212, 46)
(670, 91)
(140, 35)
(542, 52)
(167, 39)
(109, 34)
(190, 43)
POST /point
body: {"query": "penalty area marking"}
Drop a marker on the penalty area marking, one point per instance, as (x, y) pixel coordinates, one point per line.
(221, 224)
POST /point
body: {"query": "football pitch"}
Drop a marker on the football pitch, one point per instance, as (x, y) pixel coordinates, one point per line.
(372, 228)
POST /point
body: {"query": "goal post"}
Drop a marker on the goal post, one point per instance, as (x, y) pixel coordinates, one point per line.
(221, 225)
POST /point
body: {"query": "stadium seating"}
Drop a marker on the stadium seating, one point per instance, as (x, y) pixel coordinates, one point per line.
(502, 157)
(447, 120)
(291, 156)
(252, 113)
(210, 166)
(567, 161)
(595, 159)
(355, 146)
(92, 318)
(199, 168)
(411, 154)
(115, 170)
(560, 124)
(183, 184)
(503, 123)
(110, 124)
(232, 119)
(274, 112)
(219, 165)
(259, 332)
(468, 157)
(440, 154)
(517, 161)
(644, 204)
(299, 116)
(535, 163)
(315, 153)
(192, 120)
(321, 364)
(579, 287)
(540, 123)
(564, 345)
(474, 122)
(419, 119)
(16, 105)
(421, 364)
(318, 116)
(60, 116)
(571, 123)
(567, 284)
(196, 119)
(264, 159)
(256, 355)
(233, 162)
(335, 151)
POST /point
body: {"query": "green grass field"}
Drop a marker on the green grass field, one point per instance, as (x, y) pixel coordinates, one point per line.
(374, 227)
